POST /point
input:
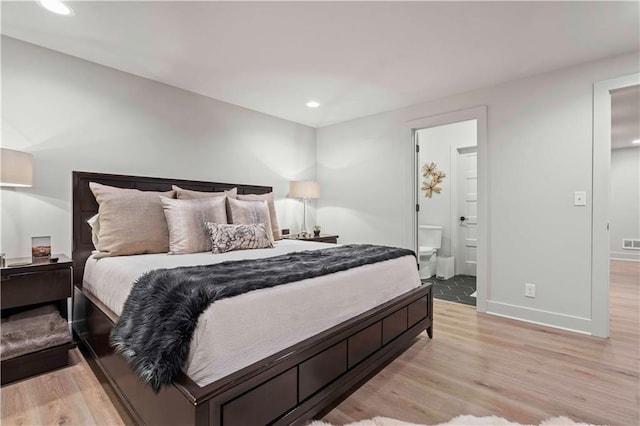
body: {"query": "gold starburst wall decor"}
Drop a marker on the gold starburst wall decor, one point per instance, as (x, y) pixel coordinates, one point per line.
(433, 177)
(428, 169)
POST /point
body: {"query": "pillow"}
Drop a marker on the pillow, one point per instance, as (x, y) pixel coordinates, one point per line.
(186, 221)
(131, 221)
(187, 194)
(226, 238)
(94, 223)
(275, 227)
(248, 212)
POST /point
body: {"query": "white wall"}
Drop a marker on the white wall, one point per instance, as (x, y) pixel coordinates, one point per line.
(76, 115)
(625, 201)
(539, 153)
(437, 145)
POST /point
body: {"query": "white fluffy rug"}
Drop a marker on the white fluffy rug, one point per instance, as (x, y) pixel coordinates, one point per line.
(457, 421)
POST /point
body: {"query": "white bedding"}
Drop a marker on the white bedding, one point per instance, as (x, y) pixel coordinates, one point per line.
(236, 332)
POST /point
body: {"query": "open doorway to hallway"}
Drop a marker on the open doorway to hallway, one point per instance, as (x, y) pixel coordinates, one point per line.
(604, 135)
(447, 204)
(624, 220)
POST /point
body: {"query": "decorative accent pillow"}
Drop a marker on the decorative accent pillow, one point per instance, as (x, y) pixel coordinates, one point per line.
(131, 221)
(187, 194)
(226, 238)
(186, 221)
(275, 227)
(248, 212)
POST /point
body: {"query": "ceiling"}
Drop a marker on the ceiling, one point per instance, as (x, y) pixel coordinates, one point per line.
(355, 58)
(625, 117)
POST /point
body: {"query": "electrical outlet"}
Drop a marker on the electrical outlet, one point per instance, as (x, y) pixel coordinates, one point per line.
(530, 290)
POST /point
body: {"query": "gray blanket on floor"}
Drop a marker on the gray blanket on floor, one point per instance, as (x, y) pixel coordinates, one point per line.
(159, 316)
(33, 330)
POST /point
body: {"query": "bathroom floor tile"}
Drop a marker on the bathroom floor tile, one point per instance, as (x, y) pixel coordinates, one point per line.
(457, 289)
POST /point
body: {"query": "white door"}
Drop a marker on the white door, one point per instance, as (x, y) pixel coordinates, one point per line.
(468, 209)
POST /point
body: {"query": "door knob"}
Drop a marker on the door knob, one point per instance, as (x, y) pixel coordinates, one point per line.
(462, 218)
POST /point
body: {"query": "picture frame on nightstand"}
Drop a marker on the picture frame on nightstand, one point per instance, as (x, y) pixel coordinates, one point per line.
(40, 249)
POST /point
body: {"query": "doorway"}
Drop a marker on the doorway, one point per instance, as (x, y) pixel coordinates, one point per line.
(600, 249)
(447, 213)
(450, 198)
(624, 220)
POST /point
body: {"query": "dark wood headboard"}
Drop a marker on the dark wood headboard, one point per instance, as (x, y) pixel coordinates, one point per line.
(85, 205)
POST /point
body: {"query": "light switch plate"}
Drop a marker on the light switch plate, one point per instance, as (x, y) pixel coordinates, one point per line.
(580, 198)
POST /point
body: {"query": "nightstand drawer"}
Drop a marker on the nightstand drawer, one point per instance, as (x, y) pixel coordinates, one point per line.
(35, 287)
(328, 239)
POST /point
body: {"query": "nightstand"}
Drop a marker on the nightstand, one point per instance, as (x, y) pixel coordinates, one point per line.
(31, 286)
(323, 238)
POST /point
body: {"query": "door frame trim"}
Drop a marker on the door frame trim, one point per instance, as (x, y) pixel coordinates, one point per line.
(601, 182)
(478, 113)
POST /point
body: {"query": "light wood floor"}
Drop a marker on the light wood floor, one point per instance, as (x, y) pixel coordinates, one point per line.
(476, 364)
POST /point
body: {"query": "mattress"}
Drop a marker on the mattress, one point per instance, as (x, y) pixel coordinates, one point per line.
(236, 332)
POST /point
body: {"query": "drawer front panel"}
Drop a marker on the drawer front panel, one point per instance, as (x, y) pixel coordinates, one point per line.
(28, 365)
(331, 240)
(263, 404)
(394, 325)
(417, 311)
(321, 369)
(36, 287)
(364, 343)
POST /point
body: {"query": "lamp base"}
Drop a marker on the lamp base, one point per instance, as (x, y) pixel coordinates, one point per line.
(304, 232)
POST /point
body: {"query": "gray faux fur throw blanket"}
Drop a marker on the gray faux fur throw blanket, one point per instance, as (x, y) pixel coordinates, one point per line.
(159, 316)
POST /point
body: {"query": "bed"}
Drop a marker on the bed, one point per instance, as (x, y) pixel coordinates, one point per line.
(290, 378)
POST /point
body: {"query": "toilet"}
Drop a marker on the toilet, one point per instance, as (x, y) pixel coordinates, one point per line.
(429, 240)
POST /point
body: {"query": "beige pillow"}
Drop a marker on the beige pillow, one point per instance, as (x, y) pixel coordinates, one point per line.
(275, 227)
(187, 194)
(131, 221)
(248, 212)
(226, 238)
(186, 221)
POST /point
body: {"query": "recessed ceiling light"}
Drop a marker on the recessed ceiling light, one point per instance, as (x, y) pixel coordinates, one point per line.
(56, 6)
(313, 104)
(637, 142)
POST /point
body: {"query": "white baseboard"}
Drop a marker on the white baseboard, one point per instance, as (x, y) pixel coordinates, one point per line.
(625, 255)
(536, 316)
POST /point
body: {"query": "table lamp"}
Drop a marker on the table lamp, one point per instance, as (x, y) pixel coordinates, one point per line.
(305, 190)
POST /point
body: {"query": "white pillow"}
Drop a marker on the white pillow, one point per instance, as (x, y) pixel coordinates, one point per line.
(94, 223)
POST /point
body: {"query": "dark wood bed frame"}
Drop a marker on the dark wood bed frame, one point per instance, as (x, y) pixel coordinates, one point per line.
(290, 387)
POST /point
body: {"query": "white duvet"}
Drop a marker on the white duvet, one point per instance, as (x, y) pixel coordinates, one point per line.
(236, 332)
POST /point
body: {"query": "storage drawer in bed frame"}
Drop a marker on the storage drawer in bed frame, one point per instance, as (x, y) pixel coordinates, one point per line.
(289, 387)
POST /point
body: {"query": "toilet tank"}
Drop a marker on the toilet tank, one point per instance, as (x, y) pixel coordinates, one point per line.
(430, 236)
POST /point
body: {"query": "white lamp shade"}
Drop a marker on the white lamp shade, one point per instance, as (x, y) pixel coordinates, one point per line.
(306, 189)
(16, 168)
